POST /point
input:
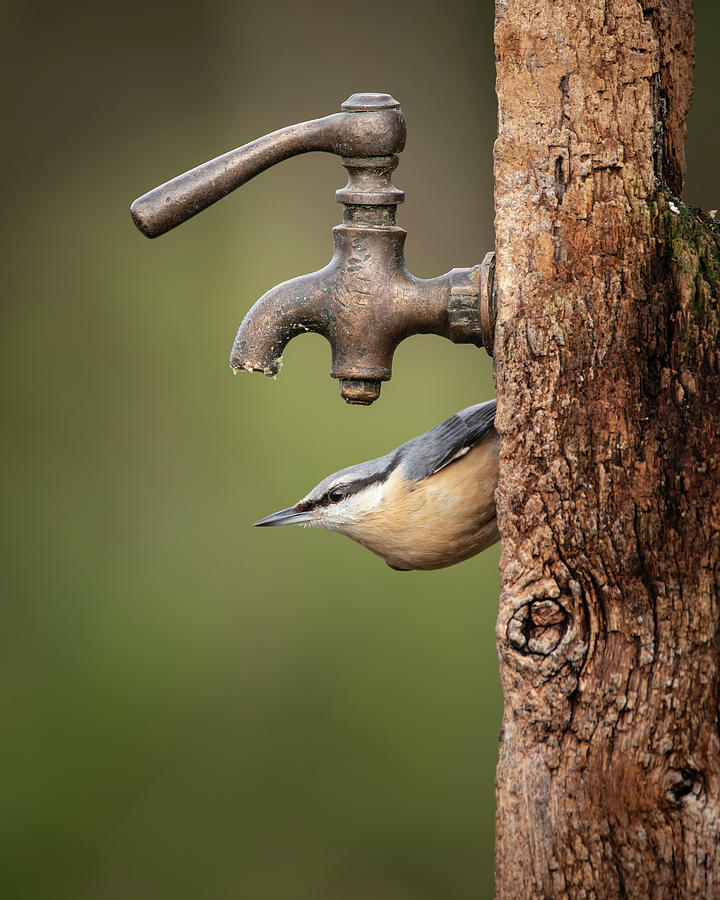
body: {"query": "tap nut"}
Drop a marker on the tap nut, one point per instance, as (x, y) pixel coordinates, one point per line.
(471, 312)
(359, 391)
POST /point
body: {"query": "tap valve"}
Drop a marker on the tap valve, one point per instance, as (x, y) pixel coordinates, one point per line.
(364, 301)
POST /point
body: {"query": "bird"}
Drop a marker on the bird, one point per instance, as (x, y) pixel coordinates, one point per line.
(428, 504)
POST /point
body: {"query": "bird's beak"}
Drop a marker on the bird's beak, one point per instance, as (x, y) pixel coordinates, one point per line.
(289, 516)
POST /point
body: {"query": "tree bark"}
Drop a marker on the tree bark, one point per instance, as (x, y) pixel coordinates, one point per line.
(607, 366)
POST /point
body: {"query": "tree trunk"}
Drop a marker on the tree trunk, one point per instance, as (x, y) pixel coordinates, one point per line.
(607, 365)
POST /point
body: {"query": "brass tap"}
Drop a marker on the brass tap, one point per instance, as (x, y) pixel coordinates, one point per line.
(365, 302)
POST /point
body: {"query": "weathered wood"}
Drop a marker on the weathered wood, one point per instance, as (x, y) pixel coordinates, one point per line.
(607, 364)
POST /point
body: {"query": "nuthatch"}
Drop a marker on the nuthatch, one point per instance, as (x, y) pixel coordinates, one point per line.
(429, 503)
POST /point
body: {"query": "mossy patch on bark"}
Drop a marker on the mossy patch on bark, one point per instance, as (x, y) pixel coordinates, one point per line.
(691, 240)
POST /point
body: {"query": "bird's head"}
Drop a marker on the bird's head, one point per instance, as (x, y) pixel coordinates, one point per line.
(341, 501)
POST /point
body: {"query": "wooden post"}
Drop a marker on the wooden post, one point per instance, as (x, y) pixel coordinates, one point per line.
(607, 363)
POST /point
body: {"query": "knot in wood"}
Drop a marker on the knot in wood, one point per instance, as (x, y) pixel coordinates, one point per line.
(684, 783)
(537, 627)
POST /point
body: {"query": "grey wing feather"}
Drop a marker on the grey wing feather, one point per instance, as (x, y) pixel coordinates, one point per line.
(430, 452)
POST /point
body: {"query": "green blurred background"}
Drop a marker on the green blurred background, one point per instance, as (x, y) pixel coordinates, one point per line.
(192, 707)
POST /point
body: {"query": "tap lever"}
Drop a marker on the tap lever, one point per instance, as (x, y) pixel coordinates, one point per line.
(371, 125)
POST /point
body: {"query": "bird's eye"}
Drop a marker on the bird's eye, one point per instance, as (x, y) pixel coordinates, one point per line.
(336, 494)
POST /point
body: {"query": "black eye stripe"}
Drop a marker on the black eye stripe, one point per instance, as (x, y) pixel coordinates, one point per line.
(347, 491)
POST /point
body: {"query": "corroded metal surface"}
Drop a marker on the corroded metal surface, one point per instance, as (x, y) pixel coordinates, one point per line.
(364, 301)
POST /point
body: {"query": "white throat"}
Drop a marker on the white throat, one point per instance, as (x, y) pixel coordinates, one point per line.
(343, 516)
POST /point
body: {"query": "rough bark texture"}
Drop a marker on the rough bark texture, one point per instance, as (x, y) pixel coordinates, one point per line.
(607, 363)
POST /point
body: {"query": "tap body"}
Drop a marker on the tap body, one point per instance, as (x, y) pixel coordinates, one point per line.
(365, 302)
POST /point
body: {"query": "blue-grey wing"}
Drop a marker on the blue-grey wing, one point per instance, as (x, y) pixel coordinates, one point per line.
(430, 452)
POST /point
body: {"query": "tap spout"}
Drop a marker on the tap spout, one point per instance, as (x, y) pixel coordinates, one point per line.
(285, 311)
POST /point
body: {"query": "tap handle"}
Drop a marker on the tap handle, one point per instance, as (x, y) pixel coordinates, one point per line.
(370, 125)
